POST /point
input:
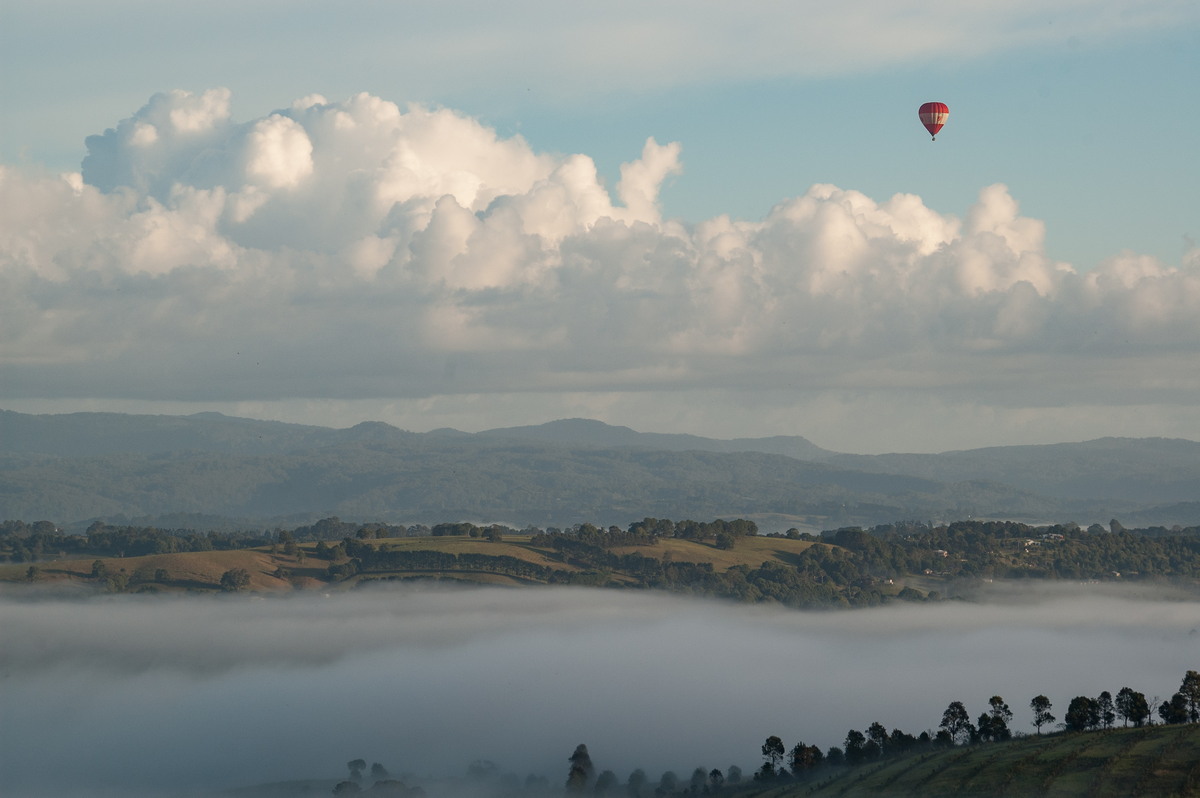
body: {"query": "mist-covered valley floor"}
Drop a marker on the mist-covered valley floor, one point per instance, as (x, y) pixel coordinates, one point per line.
(163, 696)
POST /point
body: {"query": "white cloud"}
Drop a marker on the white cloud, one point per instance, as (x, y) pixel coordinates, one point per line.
(278, 152)
(362, 250)
(167, 136)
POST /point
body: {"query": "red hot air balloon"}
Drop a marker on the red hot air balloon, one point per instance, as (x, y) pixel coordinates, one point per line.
(933, 116)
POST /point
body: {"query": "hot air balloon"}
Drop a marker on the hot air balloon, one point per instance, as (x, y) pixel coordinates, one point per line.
(933, 116)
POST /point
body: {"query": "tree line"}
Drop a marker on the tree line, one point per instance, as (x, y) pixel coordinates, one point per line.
(43, 540)
(1083, 714)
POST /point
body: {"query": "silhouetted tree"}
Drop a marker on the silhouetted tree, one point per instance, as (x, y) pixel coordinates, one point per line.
(805, 758)
(900, 741)
(1131, 706)
(796, 757)
(878, 735)
(854, 743)
(957, 723)
(1174, 710)
(580, 774)
(1000, 716)
(606, 783)
(1190, 690)
(1041, 712)
(983, 728)
(635, 784)
(772, 751)
(356, 767)
(1082, 714)
(1105, 709)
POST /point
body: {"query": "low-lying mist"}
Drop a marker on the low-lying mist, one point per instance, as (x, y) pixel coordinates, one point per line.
(167, 695)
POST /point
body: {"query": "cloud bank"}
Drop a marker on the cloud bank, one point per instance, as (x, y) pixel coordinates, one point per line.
(125, 695)
(351, 250)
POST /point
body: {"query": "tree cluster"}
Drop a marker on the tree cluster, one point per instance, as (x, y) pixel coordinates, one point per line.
(1007, 549)
(382, 783)
(583, 779)
(1086, 714)
(42, 540)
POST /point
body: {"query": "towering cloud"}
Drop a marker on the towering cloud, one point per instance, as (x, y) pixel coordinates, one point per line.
(357, 248)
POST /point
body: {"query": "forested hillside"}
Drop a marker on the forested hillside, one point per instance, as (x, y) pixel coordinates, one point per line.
(229, 473)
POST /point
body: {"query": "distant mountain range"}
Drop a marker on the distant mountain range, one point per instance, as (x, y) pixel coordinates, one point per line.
(211, 470)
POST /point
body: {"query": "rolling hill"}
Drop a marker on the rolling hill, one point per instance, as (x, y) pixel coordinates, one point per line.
(1153, 762)
(271, 570)
(75, 468)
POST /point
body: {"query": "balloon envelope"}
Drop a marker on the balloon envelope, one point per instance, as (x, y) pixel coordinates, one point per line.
(933, 116)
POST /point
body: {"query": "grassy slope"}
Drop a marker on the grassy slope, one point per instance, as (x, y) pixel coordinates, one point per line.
(1152, 762)
(202, 570)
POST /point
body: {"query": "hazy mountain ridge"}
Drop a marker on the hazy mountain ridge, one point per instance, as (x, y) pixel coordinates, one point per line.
(98, 434)
(597, 433)
(511, 481)
(1136, 469)
(1143, 470)
(74, 467)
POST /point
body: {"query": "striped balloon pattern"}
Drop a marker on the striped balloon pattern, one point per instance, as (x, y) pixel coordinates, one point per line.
(933, 116)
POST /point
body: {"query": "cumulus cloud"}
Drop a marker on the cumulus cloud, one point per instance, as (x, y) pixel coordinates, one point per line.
(355, 248)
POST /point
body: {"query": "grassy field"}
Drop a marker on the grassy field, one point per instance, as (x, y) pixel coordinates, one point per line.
(1155, 762)
(752, 551)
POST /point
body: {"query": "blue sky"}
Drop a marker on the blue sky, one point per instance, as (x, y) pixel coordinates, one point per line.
(1083, 114)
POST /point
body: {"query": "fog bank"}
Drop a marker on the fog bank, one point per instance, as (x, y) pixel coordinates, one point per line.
(159, 694)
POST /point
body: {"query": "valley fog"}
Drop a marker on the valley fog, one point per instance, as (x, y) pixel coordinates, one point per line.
(161, 696)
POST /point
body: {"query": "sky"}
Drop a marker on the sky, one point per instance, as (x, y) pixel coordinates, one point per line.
(713, 218)
(202, 694)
